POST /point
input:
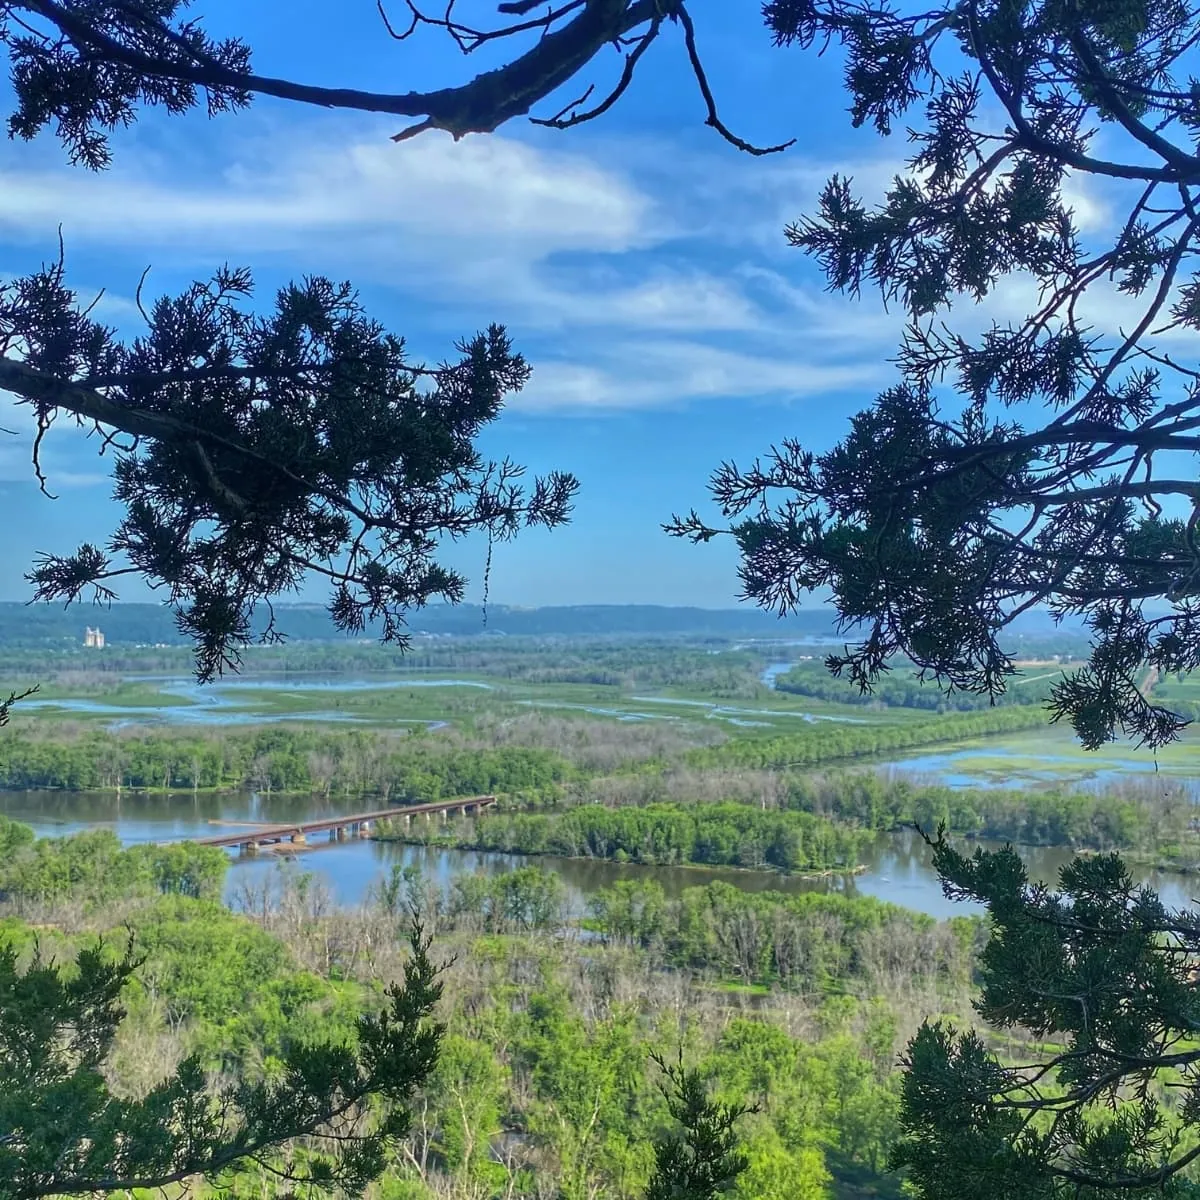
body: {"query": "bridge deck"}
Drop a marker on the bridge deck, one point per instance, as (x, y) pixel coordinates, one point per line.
(275, 833)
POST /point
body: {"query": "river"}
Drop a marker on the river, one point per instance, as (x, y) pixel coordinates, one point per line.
(897, 865)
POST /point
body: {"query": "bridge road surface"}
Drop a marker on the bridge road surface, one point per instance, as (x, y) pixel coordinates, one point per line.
(355, 824)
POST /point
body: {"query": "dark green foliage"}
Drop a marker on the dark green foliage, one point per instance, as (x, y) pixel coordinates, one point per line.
(86, 96)
(304, 439)
(86, 69)
(62, 1132)
(702, 1160)
(1105, 975)
(1044, 460)
(712, 834)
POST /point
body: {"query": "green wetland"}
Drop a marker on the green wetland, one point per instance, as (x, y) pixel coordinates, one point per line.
(152, 756)
(698, 845)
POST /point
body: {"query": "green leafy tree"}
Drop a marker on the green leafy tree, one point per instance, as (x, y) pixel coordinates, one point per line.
(1042, 461)
(588, 1079)
(1104, 976)
(775, 1172)
(326, 1119)
(702, 1159)
(468, 1086)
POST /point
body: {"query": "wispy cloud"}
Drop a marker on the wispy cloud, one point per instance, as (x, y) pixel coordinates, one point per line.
(279, 195)
(587, 257)
(672, 373)
(632, 277)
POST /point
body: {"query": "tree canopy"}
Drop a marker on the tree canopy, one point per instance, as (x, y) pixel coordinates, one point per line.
(1045, 460)
(1103, 975)
(85, 69)
(252, 448)
(325, 1120)
(702, 1159)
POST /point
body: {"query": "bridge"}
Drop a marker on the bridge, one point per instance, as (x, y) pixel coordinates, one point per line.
(339, 828)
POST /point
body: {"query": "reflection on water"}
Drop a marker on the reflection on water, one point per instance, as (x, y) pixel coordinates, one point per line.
(898, 867)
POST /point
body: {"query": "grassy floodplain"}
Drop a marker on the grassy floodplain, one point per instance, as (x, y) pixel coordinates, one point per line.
(423, 696)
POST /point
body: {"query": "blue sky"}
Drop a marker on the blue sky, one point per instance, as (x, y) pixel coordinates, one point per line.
(639, 263)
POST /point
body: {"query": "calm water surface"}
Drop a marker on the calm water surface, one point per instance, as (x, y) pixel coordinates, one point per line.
(898, 867)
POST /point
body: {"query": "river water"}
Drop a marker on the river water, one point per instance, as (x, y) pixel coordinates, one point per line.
(897, 865)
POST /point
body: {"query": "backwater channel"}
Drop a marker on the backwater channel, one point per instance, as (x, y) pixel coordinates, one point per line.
(897, 865)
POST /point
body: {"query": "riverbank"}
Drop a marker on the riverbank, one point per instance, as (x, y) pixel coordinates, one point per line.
(897, 865)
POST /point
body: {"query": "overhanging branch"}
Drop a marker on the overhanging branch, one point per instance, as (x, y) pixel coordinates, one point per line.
(481, 106)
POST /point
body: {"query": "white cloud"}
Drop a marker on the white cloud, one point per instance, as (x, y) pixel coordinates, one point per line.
(481, 192)
(671, 373)
(598, 254)
(631, 278)
(480, 222)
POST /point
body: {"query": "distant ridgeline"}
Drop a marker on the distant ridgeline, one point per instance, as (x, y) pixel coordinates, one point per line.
(42, 626)
(31, 626)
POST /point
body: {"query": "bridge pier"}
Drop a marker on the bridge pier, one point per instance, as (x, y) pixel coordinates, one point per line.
(298, 838)
(249, 848)
(364, 829)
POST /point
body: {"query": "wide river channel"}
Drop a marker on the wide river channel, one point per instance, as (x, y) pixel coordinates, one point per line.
(897, 865)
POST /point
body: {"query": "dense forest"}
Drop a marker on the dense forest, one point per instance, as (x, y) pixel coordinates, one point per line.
(94, 867)
(830, 741)
(663, 834)
(821, 824)
(348, 763)
(547, 1078)
(412, 766)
